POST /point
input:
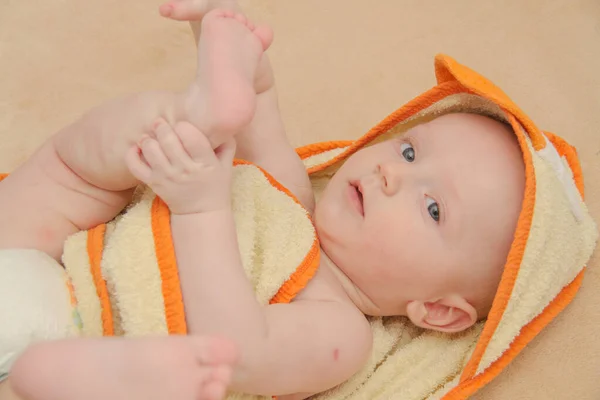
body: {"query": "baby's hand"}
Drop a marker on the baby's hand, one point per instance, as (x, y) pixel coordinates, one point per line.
(180, 166)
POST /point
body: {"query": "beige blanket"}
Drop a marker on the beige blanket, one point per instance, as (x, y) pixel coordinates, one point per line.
(362, 56)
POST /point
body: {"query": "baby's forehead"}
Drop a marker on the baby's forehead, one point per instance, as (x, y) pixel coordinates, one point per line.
(480, 155)
(477, 138)
(463, 127)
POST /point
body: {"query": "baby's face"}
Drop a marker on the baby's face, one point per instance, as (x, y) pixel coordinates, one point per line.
(426, 215)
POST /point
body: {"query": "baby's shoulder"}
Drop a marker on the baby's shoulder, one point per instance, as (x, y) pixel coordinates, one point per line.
(324, 286)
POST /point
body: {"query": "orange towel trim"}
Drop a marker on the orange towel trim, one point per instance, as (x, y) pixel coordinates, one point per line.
(448, 70)
(470, 383)
(72, 296)
(95, 246)
(167, 264)
(528, 333)
(317, 148)
(419, 103)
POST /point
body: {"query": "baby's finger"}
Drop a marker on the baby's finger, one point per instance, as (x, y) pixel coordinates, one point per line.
(154, 155)
(196, 143)
(137, 166)
(170, 143)
(226, 152)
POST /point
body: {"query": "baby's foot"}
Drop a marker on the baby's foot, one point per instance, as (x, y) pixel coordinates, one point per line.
(223, 99)
(194, 11)
(183, 368)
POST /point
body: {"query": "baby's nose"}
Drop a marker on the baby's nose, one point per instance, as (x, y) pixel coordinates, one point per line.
(392, 176)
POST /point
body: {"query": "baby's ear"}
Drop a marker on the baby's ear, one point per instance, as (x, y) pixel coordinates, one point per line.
(449, 314)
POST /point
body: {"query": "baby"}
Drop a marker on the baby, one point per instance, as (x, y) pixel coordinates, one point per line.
(418, 226)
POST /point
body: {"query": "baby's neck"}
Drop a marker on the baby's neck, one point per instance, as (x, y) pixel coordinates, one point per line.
(338, 278)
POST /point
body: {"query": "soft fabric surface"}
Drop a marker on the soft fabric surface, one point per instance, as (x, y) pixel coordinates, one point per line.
(362, 60)
(124, 273)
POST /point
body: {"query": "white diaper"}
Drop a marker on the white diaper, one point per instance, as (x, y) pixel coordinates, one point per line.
(35, 303)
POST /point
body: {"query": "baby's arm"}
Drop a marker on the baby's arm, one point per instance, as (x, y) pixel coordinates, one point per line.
(310, 346)
(306, 346)
(265, 143)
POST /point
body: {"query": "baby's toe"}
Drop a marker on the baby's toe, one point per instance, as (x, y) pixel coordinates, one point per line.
(264, 34)
(183, 10)
(222, 374)
(213, 390)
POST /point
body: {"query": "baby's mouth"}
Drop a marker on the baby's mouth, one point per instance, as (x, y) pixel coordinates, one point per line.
(357, 196)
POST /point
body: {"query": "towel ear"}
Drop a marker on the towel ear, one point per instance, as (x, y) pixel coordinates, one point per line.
(449, 314)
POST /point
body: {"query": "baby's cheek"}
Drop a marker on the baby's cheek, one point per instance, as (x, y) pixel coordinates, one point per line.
(378, 257)
(383, 241)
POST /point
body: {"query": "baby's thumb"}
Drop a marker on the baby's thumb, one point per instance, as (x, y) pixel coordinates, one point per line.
(226, 152)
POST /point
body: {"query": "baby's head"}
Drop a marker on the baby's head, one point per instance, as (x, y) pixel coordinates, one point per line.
(422, 224)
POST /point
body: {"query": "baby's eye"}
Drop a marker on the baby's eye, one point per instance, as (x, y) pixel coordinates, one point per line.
(433, 209)
(407, 151)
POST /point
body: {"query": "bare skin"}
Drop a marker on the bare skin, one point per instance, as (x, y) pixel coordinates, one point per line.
(152, 368)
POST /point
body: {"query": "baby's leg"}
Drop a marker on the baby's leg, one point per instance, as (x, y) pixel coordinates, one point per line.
(183, 368)
(220, 102)
(267, 125)
(79, 178)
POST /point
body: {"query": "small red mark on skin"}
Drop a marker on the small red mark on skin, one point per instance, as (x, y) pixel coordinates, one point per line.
(336, 354)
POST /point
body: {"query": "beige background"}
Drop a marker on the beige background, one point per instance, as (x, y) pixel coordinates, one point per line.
(341, 66)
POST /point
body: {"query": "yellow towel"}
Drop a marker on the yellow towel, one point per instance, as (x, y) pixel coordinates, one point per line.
(124, 273)
(126, 283)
